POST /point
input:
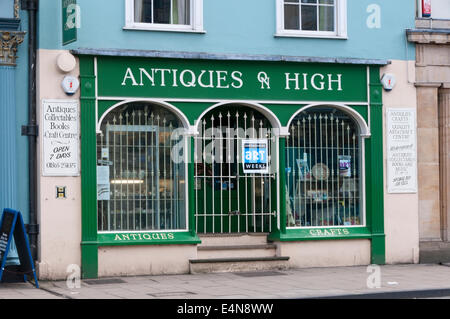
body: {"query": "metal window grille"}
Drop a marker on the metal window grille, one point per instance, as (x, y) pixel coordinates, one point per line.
(139, 186)
(226, 199)
(323, 163)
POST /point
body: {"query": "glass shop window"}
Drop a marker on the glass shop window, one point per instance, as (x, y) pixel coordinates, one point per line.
(323, 170)
(140, 178)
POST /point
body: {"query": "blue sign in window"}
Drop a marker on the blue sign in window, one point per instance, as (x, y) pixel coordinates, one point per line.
(255, 157)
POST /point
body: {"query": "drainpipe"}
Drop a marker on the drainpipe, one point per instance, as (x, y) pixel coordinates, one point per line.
(31, 130)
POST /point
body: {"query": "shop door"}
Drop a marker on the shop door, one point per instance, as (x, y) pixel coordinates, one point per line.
(227, 199)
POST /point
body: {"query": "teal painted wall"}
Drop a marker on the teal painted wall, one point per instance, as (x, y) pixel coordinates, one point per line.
(238, 27)
(14, 113)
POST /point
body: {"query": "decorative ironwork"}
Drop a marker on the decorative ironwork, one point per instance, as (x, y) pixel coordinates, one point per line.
(144, 186)
(227, 200)
(323, 177)
(9, 41)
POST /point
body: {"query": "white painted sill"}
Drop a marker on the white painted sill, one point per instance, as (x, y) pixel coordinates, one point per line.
(317, 36)
(163, 29)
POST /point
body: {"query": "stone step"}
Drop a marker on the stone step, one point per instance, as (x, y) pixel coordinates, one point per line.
(237, 264)
(216, 251)
(233, 239)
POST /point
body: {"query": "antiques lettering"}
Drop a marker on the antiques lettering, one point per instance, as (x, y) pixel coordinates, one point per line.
(146, 236)
(220, 79)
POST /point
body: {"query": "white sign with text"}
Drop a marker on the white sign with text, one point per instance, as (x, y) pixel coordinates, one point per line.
(60, 138)
(401, 150)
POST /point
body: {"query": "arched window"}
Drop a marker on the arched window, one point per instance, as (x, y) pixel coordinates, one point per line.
(323, 170)
(140, 178)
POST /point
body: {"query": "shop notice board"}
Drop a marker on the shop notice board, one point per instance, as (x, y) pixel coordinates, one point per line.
(12, 226)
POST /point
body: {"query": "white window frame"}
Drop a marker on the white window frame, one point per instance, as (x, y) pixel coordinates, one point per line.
(195, 26)
(340, 24)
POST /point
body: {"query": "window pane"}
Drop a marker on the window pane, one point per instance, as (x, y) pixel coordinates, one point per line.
(323, 170)
(291, 1)
(291, 17)
(139, 185)
(309, 18)
(309, 1)
(181, 12)
(326, 18)
(143, 11)
(326, 1)
(161, 11)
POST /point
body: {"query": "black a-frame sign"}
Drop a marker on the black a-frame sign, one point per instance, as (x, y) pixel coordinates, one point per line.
(11, 225)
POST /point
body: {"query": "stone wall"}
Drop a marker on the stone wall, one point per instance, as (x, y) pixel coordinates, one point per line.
(433, 102)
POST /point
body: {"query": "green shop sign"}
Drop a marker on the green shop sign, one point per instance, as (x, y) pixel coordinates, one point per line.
(249, 80)
(70, 21)
(147, 238)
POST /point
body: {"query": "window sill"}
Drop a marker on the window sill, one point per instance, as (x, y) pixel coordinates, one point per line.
(316, 36)
(162, 29)
(147, 238)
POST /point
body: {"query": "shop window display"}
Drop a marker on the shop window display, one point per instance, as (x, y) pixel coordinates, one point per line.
(139, 184)
(323, 170)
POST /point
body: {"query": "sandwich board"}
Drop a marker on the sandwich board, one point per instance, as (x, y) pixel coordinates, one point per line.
(12, 226)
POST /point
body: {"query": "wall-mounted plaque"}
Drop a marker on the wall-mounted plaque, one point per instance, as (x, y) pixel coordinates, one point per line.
(60, 138)
(401, 150)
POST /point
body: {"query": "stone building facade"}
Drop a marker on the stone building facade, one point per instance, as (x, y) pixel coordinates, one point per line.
(432, 39)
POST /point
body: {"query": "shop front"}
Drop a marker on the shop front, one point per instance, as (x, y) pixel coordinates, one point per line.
(177, 148)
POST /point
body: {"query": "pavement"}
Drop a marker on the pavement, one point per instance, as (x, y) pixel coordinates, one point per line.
(387, 281)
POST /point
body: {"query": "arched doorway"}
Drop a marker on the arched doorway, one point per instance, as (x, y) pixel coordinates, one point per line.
(140, 185)
(324, 169)
(231, 197)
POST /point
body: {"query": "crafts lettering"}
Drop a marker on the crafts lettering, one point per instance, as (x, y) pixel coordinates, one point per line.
(329, 232)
